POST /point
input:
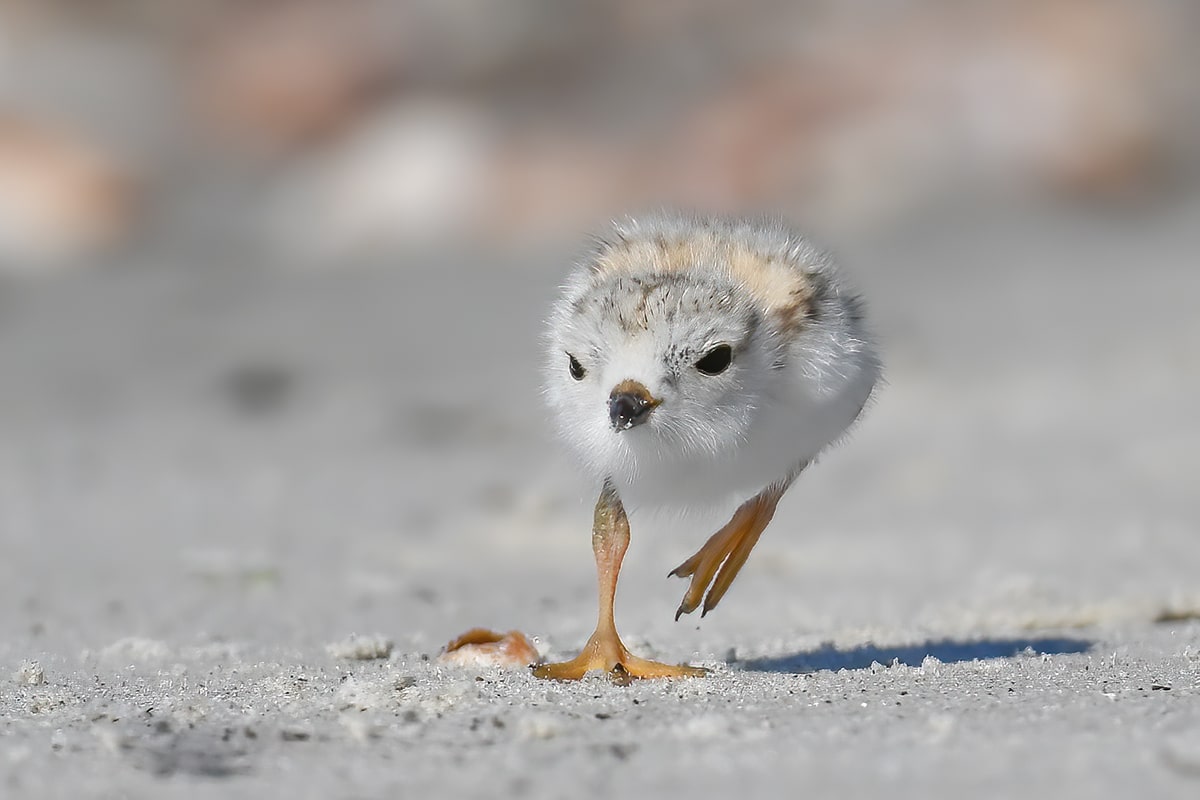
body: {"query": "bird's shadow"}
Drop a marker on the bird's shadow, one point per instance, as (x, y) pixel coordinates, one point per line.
(829, 657)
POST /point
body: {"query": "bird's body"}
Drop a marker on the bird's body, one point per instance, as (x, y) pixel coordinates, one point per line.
(694, 359)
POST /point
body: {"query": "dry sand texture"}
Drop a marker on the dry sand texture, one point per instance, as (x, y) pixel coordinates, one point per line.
(211, 477)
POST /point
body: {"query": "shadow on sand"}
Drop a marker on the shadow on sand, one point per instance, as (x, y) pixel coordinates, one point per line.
(945, 650)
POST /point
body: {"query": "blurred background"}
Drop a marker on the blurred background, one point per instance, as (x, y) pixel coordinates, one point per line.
(272, 277)
(331, 130)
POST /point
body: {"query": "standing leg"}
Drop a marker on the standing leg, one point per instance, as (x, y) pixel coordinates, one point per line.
(604, 650)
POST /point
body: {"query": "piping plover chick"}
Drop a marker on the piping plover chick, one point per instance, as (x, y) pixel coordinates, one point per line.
(689, 360)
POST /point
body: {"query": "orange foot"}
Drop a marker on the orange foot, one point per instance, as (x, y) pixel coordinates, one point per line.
(718, 562)
(604, 652)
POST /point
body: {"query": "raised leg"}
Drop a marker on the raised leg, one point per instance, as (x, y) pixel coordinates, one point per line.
(722, 556)
(604, 650)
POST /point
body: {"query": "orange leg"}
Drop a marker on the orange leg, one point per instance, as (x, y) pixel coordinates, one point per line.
(723, 555)
(604, 650)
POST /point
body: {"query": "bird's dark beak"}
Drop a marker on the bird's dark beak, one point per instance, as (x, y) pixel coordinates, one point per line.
(630, 404)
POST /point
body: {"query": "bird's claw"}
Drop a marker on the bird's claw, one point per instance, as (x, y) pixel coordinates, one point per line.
(714, 566)
(605, 653)
(687, 607)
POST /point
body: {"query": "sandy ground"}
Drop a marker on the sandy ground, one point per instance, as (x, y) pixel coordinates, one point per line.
(212, 475)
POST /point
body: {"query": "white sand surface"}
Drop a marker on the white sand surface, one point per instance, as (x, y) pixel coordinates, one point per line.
(213, 474)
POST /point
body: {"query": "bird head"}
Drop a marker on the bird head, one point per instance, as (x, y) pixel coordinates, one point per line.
(655, 366)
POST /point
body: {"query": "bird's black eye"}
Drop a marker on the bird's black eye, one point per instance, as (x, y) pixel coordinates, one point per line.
(577, 370)
(716, 361)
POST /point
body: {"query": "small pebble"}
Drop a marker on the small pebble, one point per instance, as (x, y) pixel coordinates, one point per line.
(30, 674)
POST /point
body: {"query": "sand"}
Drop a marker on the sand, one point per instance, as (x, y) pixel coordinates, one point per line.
(242, 508)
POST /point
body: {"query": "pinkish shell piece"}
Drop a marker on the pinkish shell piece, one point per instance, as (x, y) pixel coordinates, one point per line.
(480, 647)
